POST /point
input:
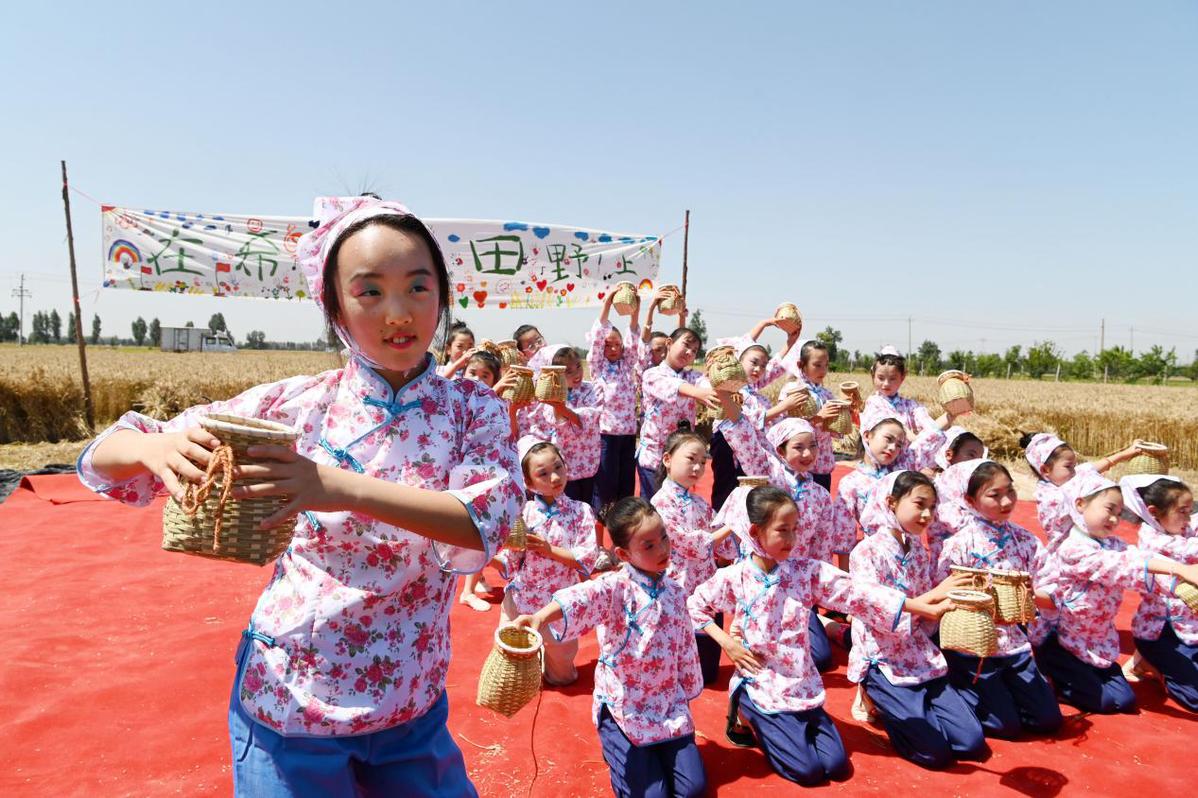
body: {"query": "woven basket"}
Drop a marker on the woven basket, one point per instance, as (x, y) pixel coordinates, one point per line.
(1153, 458)
(217, 525)
(624, 298)
(517, 538)
(969, 626)
(955, 396)
(979, 577)
(511, 674)
(509, 353)
(752, 482)
(852, 392)
(551, 384)
(787, 318)
(724, 371)
(718, 413)
(808, 408)
(1189, 594)
(523, 391)
(1013, 599)
(843, 423)
(490, 346)
(671, 305)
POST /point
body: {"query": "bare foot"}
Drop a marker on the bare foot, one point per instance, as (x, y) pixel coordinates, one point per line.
(474, 602)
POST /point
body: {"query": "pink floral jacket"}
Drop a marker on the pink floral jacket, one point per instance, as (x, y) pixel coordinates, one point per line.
(664, 408)
(772, 610)
(617, 382)
(533, 578)
(1159, 607)
(914, 416)
(1052, 509)
(687, 518)
(648, 668)
(579, 444)
(901, 650)
(352, 632)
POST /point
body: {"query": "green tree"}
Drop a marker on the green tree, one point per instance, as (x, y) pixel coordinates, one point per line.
(139, 331)
(988, 365)
(190, 324)
(957, 359)
(928, 356)
(55, 327)
(1115, 363)
(1081, 367)
(831, 338)
(697, 324)
(1013, 358)
(95, 339)
(71, 325)
(155, 332)
(1042, 357)
(256, 339)
(37, 329)
(1156, 363)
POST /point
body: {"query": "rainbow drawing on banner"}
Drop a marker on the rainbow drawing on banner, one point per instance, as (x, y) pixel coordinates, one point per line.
(124, 254)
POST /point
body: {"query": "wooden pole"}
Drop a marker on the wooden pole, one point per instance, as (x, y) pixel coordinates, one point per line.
(686, 235)
(89, 409)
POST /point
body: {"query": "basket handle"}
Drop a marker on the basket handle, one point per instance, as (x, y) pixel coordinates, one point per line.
(195, 495)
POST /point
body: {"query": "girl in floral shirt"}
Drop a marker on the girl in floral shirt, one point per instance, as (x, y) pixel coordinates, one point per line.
(889, 371)
(402, 479)
(1054, 463)
(1164, 628)
(615, 374)
(898, 666)
(560, 548)
(1007, 691)
(459, 346)
(776, 689)
(687, 517)
(670, 392)
(648, 668)
(573, 425)
(1094, 567)
(810, 374)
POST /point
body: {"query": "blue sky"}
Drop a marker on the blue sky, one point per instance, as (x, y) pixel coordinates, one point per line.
(1000, 172)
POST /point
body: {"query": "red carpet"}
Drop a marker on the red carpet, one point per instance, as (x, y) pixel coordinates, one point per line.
(118, 659)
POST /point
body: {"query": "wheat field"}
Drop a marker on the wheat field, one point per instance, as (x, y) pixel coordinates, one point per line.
(41, 398)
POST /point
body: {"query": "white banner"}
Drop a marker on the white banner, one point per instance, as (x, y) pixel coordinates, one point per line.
(491, 264)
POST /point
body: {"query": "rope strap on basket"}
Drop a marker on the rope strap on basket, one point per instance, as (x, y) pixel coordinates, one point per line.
(195, 495)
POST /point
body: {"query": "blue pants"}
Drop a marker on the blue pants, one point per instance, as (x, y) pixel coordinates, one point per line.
(709, 652)
(724, 471)
(817, 641)
(1177, 662)
(803, 747)
(1009, 695)
(582, 490)
(670, 769)
(616, 477)
(417, 758)
(929, 724)
(648, 479)
(1089, 688)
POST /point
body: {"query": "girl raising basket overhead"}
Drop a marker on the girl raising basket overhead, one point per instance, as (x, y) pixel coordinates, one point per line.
(403, 479)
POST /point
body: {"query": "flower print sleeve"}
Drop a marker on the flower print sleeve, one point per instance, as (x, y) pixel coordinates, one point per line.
(714, 596)
(921, 453)
(584, 606)
(582, 546)
(873, 604)
(595, 339)
(662, 384)
(754, 458)
(487, 481)
(284, 401)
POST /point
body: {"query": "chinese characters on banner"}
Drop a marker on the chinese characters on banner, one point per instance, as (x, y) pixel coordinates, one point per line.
(491, 264)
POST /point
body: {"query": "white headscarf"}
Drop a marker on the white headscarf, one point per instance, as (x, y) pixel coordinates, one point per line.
(1130, 487)
(1084, 484)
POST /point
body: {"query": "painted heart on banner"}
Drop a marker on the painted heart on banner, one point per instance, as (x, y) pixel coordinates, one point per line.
(541, 284)
(569, 286)
(464, 302)
(480, 297)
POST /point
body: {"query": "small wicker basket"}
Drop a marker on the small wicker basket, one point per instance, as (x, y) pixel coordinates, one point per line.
(969, 626)
(724, 371)
(551, 384)
(511, 674)
(718, 413)
(843, 423)
(1013, 598)
(752, 482)
(1153, 458)
(788, 319)
(852, 392)
(624, 298)
(209, 523)
(490, 346)
(523, 391)
(955, 396)
(1189, 594)
(509, 353)
(979, 577)
(807, 408)
(517, 538)
(671, 305)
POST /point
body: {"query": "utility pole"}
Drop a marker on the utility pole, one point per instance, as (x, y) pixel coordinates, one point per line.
(89, 408)
(1101, 336)
(686, 237)
(908, 336)
(20, 294)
